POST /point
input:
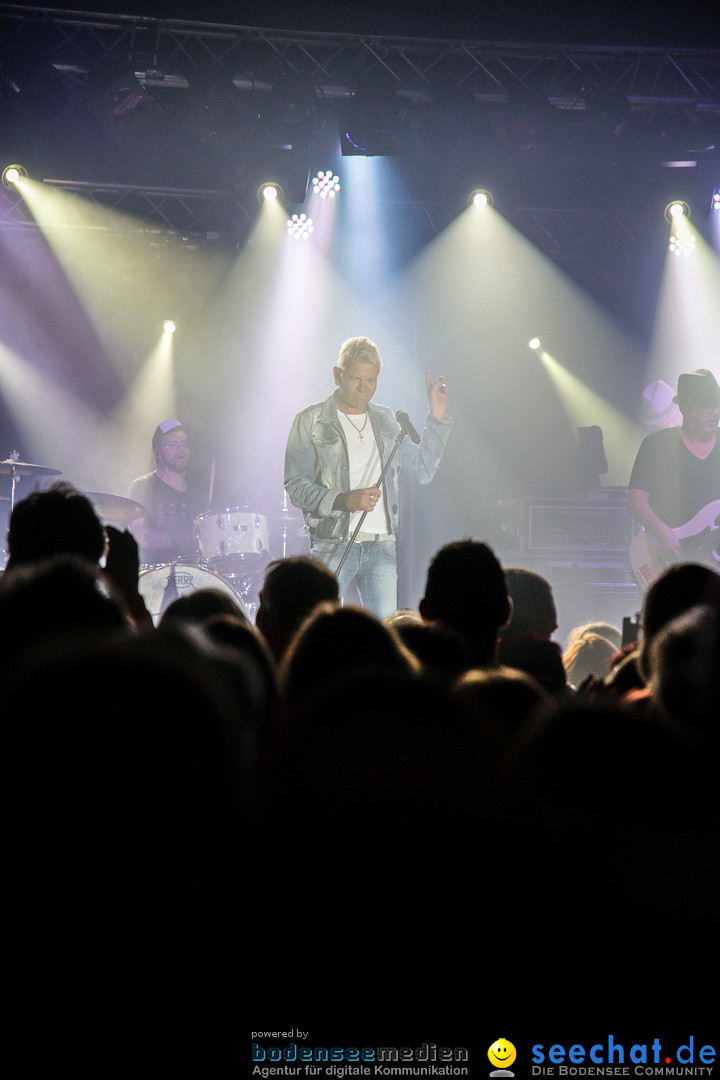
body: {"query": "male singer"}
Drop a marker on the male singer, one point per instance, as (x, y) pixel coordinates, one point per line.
(335, 454)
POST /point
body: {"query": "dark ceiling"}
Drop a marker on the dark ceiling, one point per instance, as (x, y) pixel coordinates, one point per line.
(613, 22)
(176, 111)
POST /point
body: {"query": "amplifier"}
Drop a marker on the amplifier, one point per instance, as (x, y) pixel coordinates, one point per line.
(597, 522)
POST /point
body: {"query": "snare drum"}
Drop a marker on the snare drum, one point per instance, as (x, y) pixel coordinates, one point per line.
(163, 584)
(233, 539)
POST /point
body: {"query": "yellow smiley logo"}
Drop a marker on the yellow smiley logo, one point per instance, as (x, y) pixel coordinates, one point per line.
(502, 1054)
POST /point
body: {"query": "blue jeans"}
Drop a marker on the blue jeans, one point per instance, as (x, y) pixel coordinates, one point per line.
(373, 567)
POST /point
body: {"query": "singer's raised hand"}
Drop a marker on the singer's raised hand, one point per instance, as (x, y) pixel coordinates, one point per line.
(437, 393)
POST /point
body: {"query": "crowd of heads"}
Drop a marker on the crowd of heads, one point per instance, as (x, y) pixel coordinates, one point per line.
(453, 761)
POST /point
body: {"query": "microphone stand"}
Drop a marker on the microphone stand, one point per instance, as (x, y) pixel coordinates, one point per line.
(400, 436)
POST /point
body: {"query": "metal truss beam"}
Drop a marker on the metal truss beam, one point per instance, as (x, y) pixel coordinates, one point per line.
(557, 127)
(191, 216)
(194, 217)
(567, 76)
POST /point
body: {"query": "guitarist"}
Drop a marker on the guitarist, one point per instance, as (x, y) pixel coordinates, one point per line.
(677, 470)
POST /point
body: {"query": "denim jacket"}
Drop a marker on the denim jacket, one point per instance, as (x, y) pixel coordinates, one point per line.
(317, 467)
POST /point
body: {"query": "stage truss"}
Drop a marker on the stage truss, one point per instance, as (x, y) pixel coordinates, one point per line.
(531, 114)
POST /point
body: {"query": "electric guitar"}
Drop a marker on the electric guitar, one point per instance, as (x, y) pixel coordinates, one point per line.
(699, 542)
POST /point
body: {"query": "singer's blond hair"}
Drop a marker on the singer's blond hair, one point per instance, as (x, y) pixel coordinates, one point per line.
(361, 349)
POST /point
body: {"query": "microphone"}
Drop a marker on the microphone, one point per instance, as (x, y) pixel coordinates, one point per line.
(406, 424)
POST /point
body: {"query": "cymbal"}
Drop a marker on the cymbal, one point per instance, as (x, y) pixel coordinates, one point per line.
(24, 468)
(114, 509)
(289, 512)
(292, 520)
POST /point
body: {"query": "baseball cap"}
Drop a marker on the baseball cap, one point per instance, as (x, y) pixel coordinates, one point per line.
(164, 429)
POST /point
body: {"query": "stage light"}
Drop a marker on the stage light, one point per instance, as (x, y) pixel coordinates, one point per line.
(300, 226)
(12, 174)
(169, 326)
(682, 242)
(270, 192)
(535, 344)
(715, 203)
(367, 124)
(676, 209)
(326, 184)
(124, 109)
(480, 198)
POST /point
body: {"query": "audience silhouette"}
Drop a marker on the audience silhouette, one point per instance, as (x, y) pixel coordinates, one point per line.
(525, 640)
(401, 788)
(292, 588)
(466, 589)
(589, 654)
(58, 521)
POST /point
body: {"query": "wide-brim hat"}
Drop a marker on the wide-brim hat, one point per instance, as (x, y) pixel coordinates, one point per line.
(697, 390)
(657, 404)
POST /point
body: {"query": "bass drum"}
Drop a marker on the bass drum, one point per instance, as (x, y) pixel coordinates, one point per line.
(160, 585)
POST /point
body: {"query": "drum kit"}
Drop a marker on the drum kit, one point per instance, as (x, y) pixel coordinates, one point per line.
(233, 547)
(233, 544)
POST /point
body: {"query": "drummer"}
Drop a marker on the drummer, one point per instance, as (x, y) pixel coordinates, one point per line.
(166, 534)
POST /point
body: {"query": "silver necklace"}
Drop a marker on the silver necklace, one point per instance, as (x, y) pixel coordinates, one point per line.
(359, 430)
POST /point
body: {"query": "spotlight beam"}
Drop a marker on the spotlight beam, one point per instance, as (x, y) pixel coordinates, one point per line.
(583, 407)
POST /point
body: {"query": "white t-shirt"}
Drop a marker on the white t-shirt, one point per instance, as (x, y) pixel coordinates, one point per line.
(365, 468)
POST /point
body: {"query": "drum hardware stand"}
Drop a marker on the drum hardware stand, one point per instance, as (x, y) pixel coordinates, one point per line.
(14, 477)
(16, 468)
(401, 435)
(212, 484)
(284, 524)
(170, 592)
